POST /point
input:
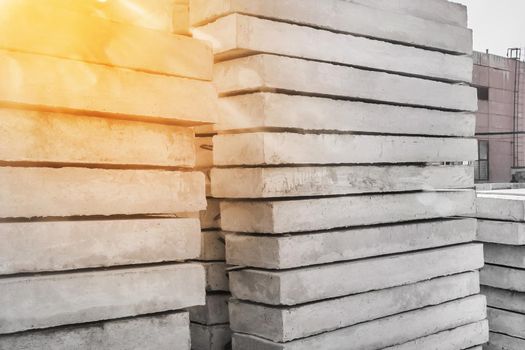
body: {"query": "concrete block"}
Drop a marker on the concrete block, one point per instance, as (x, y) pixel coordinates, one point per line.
(511, 233)
(40, 192)
(77, 36)
(216, 337)
(212, 246)
(504, 342)
(346, 17)
(500, 207)
(504, 299)
(506, 255)
(41, 137)
(503, 277)
(269, 72)
(238, 35)
(181, 17)
(211, 217)
(159, 332)
(463, 337)
(328, 213)
(292, 287)
(280, 111)
(216, 277)
(204, 148)
(287, 324)
(290, 251)
(32, 302)
(56, 84)
(69, 245)
(214, 312)
(394, 330)
(312, 181)
(506, 322)
(267, 148)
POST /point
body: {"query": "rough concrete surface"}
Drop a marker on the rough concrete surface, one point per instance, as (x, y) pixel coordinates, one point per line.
(511, 233)
(216, 276)
(504, 342)
(211, 217)
(214, 312)
(500, 207)
(215, 337)
(212, 246)
(204, 155)
(506, 255)
(506, 322)
(504, 299)
(503, 277)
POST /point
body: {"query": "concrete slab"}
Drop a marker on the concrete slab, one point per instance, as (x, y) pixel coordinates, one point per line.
(212, 246)
(159, 332)
(181, 17)
(41, 137)
(511, 233)
(238, 35)
(69, 245)
(503, 278)
(500, 207)
(204, 149)
(211, 217)
(269, 72)
(312, 181)
(280, 111)
(346, 17)
(48, 83)
(506, 322)
(266, 148)
(32, 302)
(77, 36)
(464, 337)
(290, 251)
(504, 342)
(41, 192)
(286, 324)
(274, 217)
(504, 299)
(216, 276)
(297, 286)
(506, 255)
(214, 312)
(216, 337)
(395, 329)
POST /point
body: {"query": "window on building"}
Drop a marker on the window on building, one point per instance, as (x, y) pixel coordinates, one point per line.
(483, 93)
(482, 164)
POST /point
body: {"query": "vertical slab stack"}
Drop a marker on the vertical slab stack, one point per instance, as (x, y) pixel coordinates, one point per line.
(501, 226)
(96, 158)
(332, 134)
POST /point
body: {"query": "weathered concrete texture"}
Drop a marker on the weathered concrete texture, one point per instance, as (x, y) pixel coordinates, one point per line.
(504, 299)
(347, 17)
(181, 17)
(510, 323)
(53, 300)
(50, 83)
(506, 255)
(327, 213)
(211, 217)
(292, 287)
(500, 207)
(212, 246)
(216, 277)
(204, 156)
(503, 277)
(335, 180)
(266, 72)
(29, 136)
(286, 324)
(69, 245)
(394, 330)
(266, 148)
(215, 337)
(238, 35)
(277, 111)
(464, 337)
(38, 192)
(512, 233)
(504, 342)
(214, 312)
(160, 332)
(77, 36)
(283, 252)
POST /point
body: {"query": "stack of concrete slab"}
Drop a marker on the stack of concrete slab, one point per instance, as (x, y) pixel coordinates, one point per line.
(335, 121)
(501, 227)
(96, 162)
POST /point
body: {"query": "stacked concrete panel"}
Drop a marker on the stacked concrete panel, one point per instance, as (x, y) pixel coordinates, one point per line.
(333, 136)
(501, 223)
(96, 160)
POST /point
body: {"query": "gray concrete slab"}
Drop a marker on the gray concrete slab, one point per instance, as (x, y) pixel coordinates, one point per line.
(211, 217)
(69, 245)
(297, 286)
(286, 324)
(33, 302)
(160, 332)
(500, 207)
(214, 312)
(274, 217)
(511, 233)
(503, 277)
(506, 255)
(216, 276)
(269, 72)
(504, 299)
(216, 337)
(506, 322)
(213, 246)
(504, 342)
(290, 251)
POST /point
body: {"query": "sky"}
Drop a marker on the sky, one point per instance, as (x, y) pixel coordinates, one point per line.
(497, 24)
